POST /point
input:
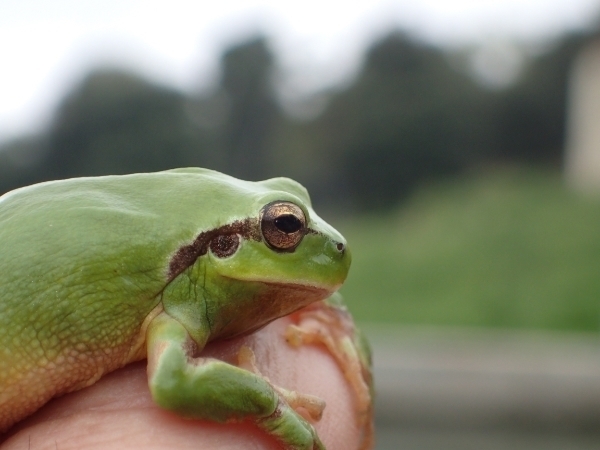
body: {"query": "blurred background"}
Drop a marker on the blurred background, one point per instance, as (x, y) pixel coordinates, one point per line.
(456, 144)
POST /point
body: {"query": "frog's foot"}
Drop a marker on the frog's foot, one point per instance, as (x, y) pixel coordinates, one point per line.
(330, 325)
(290, 428)
(206, 388)
(308, 406)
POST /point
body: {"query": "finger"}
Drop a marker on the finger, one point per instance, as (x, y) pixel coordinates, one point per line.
(117, 411)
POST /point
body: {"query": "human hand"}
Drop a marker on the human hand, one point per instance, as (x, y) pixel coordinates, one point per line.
(118, 412)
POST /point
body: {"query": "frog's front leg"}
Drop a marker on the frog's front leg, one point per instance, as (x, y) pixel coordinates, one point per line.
(206, 388)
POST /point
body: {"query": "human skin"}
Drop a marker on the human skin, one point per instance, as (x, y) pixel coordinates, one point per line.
(118, 411)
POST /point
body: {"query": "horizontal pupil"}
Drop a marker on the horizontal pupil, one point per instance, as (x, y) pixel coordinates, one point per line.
(288, 223)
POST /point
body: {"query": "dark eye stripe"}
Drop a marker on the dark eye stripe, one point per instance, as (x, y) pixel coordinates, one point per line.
(186, 255)
(225, 245)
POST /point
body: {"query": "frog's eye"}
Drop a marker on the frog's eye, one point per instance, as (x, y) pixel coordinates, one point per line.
(283, 225)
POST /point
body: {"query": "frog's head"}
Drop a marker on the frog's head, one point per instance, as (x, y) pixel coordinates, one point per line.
(279, 257)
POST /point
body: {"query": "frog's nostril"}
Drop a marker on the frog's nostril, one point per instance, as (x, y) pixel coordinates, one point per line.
(341, 247)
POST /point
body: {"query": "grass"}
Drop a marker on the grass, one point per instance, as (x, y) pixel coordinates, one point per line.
(512, 249)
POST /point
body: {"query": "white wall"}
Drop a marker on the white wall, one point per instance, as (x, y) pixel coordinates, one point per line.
(582, 164)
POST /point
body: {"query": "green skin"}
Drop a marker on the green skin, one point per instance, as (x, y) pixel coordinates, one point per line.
(93, 279)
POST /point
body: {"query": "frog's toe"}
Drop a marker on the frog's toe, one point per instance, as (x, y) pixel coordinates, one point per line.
(289, 428)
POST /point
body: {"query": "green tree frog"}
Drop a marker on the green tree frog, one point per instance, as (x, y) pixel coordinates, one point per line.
(99, 272)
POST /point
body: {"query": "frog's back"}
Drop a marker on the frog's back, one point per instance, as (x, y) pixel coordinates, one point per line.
(82, 265)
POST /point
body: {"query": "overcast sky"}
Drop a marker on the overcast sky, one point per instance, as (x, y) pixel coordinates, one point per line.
(45, 46)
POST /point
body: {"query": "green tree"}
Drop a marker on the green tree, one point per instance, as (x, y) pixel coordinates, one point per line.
(530, 116)
(409, 116)
(21, 162)
(115, 122)
(244, 137)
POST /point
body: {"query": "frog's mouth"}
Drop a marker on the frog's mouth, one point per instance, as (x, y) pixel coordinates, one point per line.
(270, 301)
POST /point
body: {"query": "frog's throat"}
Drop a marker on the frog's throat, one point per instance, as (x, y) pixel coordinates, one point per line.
(275, 301)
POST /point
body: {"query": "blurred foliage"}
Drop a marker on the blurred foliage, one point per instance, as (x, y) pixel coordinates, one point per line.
(529, 118)
(252, 111)
(408, 117)
(114, 122)
(507, 248)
